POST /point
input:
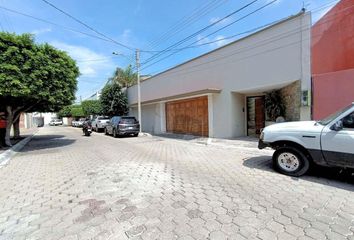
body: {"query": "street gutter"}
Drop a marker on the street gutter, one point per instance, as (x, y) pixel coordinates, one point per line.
(6, 156)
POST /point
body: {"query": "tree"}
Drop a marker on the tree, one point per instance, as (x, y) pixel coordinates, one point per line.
(113, 100)
(124, 77)
(72, 111)
(33, 77)
(65, 112)
(91, 107)
(76, 111)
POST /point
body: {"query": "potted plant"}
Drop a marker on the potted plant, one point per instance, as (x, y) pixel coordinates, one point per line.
(274, 106)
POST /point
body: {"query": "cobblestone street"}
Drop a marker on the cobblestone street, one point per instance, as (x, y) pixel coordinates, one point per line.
(63, 185)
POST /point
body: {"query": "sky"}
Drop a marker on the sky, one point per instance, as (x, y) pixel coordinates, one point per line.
(150, 25)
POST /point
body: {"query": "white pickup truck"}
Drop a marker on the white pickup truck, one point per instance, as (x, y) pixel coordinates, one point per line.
(329, 142)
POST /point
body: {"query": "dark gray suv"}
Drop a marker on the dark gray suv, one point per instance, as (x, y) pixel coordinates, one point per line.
(122, 125)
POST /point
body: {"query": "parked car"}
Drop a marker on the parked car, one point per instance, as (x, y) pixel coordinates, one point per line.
(55, 122)
(99, 123)
(329, 142)
(122, 125)
(80, 122)
(74, 123)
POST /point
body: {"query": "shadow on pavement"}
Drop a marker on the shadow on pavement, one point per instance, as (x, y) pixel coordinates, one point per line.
(180, 136)
(334, 177)
(47, 142)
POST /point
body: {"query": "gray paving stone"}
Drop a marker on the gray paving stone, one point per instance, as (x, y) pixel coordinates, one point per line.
(156, 188)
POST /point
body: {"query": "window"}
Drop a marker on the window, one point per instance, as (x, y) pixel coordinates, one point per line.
(128, 120)
(348, 121)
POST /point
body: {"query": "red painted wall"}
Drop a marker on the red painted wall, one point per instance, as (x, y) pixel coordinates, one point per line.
(332, 55)
(333, 91)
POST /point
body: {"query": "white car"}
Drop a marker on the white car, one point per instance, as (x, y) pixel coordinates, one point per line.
(55, 122)
(99, 123)
(329, 142)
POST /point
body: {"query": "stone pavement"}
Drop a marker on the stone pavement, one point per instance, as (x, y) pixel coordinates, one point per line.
(67, 186)
(24, 133)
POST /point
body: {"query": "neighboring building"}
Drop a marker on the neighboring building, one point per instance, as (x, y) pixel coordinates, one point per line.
(221, 93)
(95, 96)
(26, 120)
(47, 117)
(333, 60)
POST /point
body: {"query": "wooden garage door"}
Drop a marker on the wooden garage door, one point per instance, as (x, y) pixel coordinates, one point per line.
(188, 116)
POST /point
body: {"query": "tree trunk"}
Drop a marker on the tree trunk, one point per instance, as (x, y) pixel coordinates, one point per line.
(16, 126)
(8, 125)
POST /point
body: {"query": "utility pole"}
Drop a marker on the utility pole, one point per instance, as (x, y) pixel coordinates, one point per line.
(137, 55)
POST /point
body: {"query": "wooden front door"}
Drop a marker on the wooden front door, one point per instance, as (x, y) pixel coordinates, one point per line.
(259, 114)
(188, 116)
(255, 115)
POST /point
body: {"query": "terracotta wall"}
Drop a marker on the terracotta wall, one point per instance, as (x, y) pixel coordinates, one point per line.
(333, 60)
(333, 91)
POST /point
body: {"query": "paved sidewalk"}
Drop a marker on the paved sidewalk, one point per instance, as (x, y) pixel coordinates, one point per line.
(24, 133)
(67, 186)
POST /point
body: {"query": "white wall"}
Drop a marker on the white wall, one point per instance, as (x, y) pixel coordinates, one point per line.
(47, 116)
(151, 116)
(267, 60)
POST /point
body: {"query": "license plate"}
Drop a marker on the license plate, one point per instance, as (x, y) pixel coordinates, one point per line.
(130, 127)
(89, 130)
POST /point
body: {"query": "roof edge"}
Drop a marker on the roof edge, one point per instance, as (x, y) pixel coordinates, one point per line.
(302, 12)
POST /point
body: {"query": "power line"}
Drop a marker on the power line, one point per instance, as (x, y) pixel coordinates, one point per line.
(252, 47)
(224, 38)
(248, 31)
(86, 25)
(55, 24)
(237, 20)
(198, 45)
(197, 14)
(199, 31)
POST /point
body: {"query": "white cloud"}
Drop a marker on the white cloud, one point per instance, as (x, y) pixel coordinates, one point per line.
(41, 31)
(215, 42)
(220, 41)
(90, 63)
(215, 19)
(126, 34)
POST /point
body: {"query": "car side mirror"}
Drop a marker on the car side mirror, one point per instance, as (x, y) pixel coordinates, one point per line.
(337, 126)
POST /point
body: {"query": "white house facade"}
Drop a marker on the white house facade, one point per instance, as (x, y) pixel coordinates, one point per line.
(221, 94)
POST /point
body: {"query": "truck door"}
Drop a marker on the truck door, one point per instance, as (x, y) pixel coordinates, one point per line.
(338, 146)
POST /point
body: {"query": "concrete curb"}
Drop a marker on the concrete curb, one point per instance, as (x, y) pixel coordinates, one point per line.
(6, 156)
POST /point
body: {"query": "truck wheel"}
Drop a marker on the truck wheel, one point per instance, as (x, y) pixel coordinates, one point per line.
(290, 161)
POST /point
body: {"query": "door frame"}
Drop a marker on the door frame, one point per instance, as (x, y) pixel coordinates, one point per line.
(246, 108)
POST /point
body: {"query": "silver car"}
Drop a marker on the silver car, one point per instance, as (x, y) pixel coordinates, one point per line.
(99, 123)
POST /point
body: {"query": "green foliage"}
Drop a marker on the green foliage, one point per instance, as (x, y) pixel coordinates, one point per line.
(35, 77)
(274, 105)
(92, 107)
(124, 77)
(113, 100)
(65, 112)
(76, 111)
(72, 111)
